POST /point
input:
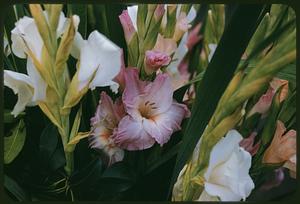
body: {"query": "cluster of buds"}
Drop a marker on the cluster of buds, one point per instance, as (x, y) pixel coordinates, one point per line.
(154, 36)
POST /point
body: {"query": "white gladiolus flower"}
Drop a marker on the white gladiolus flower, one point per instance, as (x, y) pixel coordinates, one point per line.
(30, 88)
(97, 55)
(227, 176)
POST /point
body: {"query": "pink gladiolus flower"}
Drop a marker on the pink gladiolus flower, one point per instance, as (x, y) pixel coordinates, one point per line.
(153, 114)
(155, 60)
(265, 101)
(127, 25)
(104, 125)
(248, 144)
(282, 147)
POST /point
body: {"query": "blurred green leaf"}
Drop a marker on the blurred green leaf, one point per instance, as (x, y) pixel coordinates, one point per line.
(13, 187)
(14, 143)
(218, 74)
(81, 11)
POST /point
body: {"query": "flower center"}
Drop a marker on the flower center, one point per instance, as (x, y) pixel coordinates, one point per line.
(146, 109)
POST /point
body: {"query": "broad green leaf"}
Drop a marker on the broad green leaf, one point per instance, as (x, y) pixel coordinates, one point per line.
(218, 74)
(14, 143)
(51, 149)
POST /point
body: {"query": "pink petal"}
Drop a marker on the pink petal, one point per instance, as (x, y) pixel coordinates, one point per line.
(160, 93)
(162, 126)
(276, 83)
(134, 86)
(131, 135)
(154, 60)
(127, 25)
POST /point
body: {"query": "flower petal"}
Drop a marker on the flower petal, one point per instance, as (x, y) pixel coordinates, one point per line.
(224, 193)
(37, 81)
(222, 150)
(26, 32)
(132, 136)
(162, 126)
(101, 55)
(160, 93)
(77, 45)
(21, 85)
(132, 12)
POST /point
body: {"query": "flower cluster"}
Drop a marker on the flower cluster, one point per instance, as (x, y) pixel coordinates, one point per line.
(146, 113)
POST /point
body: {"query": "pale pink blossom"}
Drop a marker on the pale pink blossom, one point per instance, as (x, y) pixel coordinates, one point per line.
(248, 144)
(153, 115)
(104, 125)
(159, 11)
(127, 25)
(282, 147)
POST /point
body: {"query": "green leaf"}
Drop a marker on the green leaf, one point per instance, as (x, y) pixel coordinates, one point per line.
(81, 11)
(51, 149)
(14, 143)
(13, 187)
(218, 74)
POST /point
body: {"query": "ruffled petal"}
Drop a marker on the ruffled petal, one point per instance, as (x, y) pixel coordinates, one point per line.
(21, 85)
(162, 126)
(132, 136)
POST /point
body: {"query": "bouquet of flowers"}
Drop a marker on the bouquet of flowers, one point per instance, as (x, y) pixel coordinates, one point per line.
(181, 102)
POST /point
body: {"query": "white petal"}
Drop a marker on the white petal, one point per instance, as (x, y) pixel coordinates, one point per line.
(223, 150)
(100, 54)
(21, 85)
(132, 12)
(37, 82)
(26, 32)
(77, 45)
(206, 197)
(224, 193)
(62, 24)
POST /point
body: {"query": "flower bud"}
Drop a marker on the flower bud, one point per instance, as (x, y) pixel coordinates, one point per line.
(155, 60)
(181, 27)
(127, 25)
